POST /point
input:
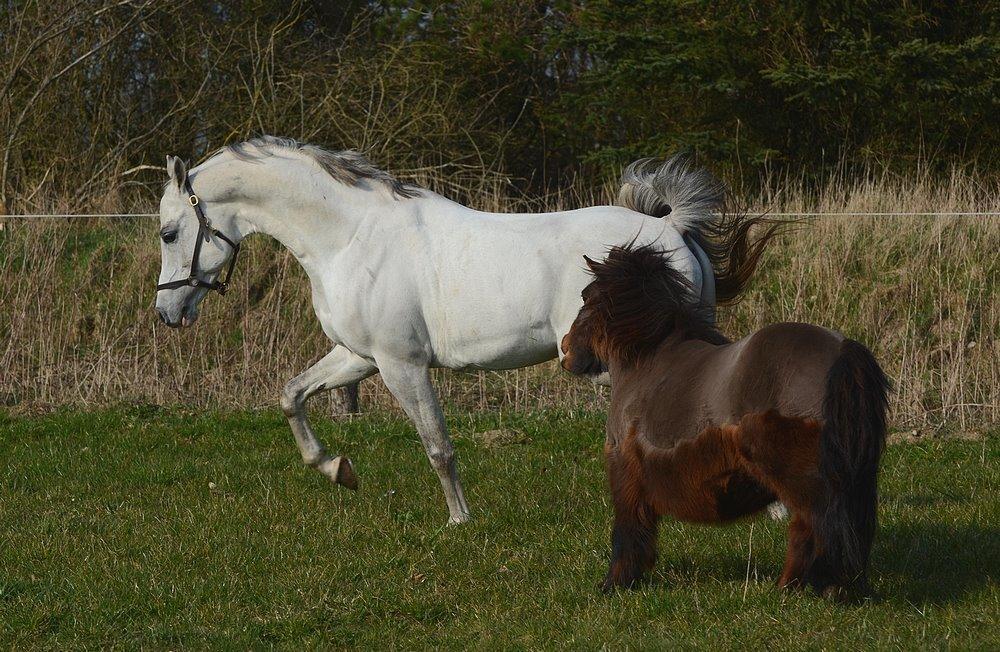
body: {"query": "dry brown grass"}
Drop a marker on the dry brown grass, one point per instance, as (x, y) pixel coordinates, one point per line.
(77, 328)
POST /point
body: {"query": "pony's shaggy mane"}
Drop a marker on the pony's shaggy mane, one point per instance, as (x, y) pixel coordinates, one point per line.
(347, 166)
(639, 300)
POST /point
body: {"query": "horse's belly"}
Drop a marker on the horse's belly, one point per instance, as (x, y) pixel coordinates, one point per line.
(491, 350)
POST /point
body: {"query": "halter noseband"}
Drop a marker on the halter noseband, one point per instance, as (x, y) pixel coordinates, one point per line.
(205, 230)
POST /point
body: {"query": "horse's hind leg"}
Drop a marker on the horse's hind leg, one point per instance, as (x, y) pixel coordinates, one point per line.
(337, 368)
(347, 399)
(411, 384)
(633, 535)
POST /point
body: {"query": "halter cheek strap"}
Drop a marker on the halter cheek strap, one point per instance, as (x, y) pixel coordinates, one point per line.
(206, 231)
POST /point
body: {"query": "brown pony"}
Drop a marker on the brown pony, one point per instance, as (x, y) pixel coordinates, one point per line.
(708, 430)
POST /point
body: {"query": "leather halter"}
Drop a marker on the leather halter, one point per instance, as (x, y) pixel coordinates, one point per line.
(205, 230)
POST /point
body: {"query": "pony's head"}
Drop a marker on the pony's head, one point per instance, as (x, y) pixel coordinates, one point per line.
(193, 267)
(581, 346)
(636, 300)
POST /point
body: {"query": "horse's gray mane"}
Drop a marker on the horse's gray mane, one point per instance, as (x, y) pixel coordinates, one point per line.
(347, 167)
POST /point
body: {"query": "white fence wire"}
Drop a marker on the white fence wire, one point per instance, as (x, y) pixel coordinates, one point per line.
(781, 214)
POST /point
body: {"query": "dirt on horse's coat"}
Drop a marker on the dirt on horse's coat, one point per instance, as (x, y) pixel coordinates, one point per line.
(707, 430)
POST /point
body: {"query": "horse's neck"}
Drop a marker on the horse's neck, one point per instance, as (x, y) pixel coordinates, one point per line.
(314, 218)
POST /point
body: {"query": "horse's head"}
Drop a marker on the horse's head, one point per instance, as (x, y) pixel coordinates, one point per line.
(194, 246)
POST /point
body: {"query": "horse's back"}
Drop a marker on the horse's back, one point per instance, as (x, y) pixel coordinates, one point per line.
(498, 290)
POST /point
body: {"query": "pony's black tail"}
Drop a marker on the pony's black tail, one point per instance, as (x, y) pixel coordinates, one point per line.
(851, 444)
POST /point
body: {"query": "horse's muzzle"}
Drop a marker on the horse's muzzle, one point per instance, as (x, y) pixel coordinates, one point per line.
(185, 320)
(166, 320)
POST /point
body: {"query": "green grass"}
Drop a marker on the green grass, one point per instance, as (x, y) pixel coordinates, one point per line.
(111, 537)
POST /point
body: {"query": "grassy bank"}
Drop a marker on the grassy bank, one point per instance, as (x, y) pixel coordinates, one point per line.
(77, 326)
(157, 528)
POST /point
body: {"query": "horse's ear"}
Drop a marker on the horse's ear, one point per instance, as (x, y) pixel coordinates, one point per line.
(591, 264)
(176, 170)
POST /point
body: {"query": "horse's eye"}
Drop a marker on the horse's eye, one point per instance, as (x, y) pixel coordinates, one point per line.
(169, 237)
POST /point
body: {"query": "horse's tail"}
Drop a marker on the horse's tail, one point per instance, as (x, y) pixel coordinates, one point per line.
(851, 444)
(694, 201)
(732, 252)
(674, 189)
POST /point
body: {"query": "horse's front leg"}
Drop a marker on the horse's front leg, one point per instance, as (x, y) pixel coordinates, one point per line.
(339, 367)
(411, 384)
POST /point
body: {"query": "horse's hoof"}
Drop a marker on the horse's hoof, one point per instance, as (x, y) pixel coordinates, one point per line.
(464, 517)
(345, 474)
(340, 470)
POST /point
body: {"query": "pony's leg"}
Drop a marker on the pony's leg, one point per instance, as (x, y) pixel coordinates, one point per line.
(411, 384)
(783, 453)
(633, 535)
(799, 552)
(339, 367)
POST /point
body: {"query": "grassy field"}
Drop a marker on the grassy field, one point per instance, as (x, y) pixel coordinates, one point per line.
(157, 528)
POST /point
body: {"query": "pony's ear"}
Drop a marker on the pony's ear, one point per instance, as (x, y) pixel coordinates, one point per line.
(176, 170)
(592, 264)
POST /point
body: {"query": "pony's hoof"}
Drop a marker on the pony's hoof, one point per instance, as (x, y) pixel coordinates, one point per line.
(794, 584)
(341, 471)
(610, 584)
(836, 594)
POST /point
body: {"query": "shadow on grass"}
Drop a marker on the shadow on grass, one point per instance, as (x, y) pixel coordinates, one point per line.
(935, 562)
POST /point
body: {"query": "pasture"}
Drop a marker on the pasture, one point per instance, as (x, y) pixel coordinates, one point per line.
(165, 528)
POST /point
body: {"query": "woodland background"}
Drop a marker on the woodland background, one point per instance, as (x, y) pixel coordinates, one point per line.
(541, 92)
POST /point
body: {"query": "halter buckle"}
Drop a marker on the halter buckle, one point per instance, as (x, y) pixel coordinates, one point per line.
(193, 199)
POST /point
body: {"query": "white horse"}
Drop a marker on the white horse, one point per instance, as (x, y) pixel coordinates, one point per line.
(404, 280)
